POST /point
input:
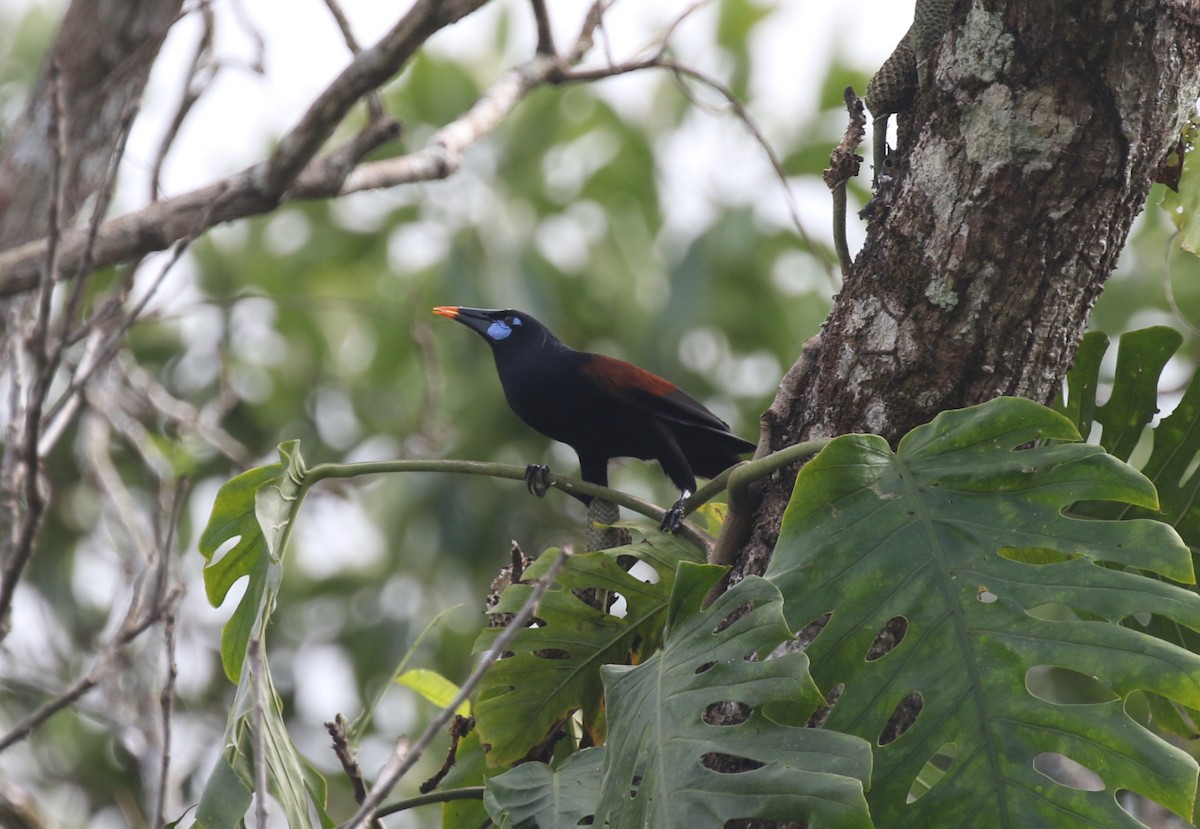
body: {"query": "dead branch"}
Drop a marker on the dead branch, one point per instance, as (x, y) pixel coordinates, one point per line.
(403, 757)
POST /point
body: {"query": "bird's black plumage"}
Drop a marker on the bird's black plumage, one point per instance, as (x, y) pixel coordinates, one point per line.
(601, 407)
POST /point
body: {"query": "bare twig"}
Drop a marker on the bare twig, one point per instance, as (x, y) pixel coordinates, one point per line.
(98, 466)
(15, 558)
(403, 757)
(460, 728)
(104, 197)
(201, 72)
(844, 164)
(203, 424)
(133, 627)
(166, 704)
(739, 110)
(369, 70)
(444, 796)
(257, 65)
(341, 748)
(592, 21)
(545, 35)
(19, 809)
(374, 102)
(105, 350)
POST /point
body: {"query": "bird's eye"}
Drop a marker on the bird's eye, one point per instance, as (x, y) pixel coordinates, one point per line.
(512, 319)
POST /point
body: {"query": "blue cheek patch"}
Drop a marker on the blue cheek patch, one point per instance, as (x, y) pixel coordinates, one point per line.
(498, 330)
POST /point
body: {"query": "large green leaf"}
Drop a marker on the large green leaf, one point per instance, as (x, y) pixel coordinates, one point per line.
(255, 511)
(233, 519)
(225, 799)
(531, 795)
(961, 532)
(663, 740)
(1133, 400)
(1131, 405)
(554, 669)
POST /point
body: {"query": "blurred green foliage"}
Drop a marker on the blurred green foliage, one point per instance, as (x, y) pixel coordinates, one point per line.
(316, 320)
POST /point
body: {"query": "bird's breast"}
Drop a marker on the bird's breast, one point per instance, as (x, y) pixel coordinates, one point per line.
(558, 399)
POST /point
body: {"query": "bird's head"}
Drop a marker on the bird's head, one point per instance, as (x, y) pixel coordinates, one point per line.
(502, 329)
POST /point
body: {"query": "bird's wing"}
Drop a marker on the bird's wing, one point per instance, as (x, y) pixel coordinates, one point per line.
(649, 391)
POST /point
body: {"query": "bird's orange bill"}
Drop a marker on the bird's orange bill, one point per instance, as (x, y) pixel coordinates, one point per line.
(450, 311)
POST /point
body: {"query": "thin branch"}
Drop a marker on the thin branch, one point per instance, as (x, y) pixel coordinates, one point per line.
(370, 69)
(18, 556)
(442, 155)
(444, 796)
(130, 630)
(545, 34)
(166, 704)
(844, 164)
(108, 348)
(739, 110)
(374, 101)
(341, 749)
(403, 757)
(99, 467)
(592, 21)
(201, 72)
(460, 728)
(203, 424)
(569, 485)
(20, 809)
(104, 197)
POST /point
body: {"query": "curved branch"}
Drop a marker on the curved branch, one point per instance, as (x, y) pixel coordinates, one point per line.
(565, 483)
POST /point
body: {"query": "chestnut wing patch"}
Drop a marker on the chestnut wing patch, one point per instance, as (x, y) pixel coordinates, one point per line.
(650, 391)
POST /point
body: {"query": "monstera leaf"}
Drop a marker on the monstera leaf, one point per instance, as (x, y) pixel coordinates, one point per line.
(960, 538)
(533, 795)
(665, 743)
(1131, 406)
(553, 669)
(1124, 420)
(253, 513)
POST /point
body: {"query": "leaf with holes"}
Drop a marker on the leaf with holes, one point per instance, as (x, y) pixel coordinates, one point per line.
(554, 668)
(664, 763)
(1131, 406)
(1125, 420)
(255, 512)
(961, 534)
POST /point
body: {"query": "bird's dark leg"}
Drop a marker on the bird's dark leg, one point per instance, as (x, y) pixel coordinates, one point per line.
(675, 464)
(673, 519)
(537, 479)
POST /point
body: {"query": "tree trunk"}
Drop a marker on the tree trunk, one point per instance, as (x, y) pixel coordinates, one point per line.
(85, 97)
(104, 52)
(1022, 167)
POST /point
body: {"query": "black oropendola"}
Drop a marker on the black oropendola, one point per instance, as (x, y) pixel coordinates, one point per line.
(601, 407)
